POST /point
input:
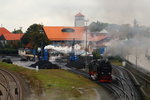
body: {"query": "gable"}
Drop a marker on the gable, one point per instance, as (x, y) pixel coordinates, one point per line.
(4, 31)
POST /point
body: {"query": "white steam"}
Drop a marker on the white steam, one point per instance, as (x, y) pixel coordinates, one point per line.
(135, 49)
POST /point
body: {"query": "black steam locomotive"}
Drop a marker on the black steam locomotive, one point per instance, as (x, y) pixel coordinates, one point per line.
(100, 70)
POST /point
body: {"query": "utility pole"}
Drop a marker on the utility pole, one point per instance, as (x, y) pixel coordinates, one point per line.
(20, 38)
(86, 48)
(42, 47)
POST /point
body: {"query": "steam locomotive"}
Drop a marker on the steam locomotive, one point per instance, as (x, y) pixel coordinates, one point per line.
(100, 70)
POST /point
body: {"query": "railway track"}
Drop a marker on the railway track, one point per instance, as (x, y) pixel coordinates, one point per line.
(142, 77)
(131, 93)
(120, 89)
(118, 92)
(10, 87)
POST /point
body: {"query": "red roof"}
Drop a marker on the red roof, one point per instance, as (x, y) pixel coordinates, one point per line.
(12, 36)
(4, 31)
(56, 33)
(79, 14)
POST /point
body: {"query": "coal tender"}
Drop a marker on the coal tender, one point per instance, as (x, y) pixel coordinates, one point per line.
(100, 70)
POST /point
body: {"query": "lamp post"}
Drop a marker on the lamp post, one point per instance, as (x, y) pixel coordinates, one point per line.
(86, 43)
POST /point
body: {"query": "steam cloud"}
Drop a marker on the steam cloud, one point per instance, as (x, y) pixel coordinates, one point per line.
(133, 48)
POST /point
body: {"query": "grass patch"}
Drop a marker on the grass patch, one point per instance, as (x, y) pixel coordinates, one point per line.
(116, 62)
(55, 82)
(147, 98)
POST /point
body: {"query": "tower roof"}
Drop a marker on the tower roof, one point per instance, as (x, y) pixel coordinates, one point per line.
(79, 15)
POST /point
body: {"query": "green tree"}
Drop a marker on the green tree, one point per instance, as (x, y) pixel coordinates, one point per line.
(97, 26)
(17, 31)
(96, 54)
(35, 36)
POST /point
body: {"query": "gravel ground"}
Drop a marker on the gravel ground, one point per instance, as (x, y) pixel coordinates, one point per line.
(16, 61)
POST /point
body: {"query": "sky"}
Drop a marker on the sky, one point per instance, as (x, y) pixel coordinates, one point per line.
(23, 13)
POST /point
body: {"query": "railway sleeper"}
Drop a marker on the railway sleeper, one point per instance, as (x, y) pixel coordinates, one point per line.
(16, 91)
(1, 93)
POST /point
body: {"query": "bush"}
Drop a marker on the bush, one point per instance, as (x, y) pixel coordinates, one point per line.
(115, 58)
(96, 55)
(7, 60)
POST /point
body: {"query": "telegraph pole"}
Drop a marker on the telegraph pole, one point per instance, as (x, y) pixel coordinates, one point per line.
(42, 46)
(86, 48)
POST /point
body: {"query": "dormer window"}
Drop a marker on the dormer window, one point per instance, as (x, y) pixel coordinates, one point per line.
(69, 30)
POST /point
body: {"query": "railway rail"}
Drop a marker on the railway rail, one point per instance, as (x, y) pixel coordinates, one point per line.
(131, 93)
(10, 87)
(142, 77)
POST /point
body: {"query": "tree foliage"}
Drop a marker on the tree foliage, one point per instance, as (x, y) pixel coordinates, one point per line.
(17, 31)
(96, 54)
(35, 36)
(97, 26)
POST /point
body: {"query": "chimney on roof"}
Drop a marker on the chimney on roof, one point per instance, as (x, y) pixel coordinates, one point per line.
(1, 25)
(79, 20)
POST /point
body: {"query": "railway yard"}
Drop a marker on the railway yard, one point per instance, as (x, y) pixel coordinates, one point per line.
(124, 85)
(75, 50)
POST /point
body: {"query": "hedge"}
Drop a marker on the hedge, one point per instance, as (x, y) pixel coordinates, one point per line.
(8, 51)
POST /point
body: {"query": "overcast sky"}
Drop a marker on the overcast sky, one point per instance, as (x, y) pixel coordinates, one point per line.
(23, 13)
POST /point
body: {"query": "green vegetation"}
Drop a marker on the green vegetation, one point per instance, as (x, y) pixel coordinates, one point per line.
(57, 83)
(34, 36)
(147, 98)
(96, 54)
(115, 60)
(17, 31)
(7, 51)
(97, 26)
